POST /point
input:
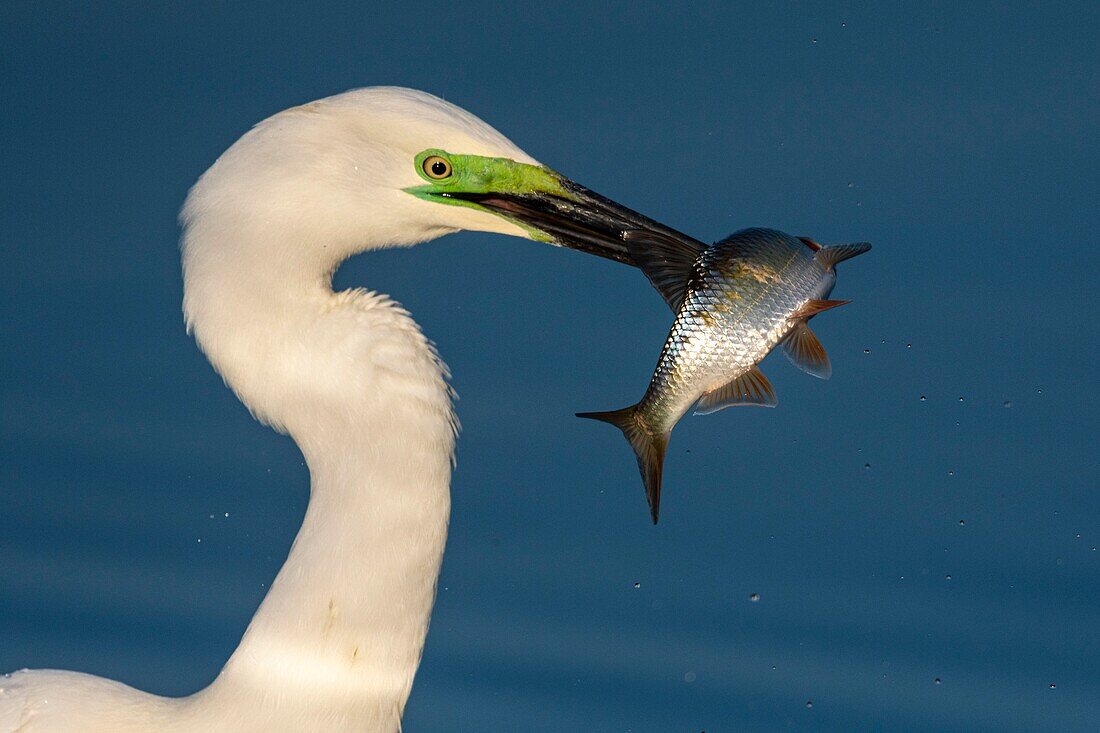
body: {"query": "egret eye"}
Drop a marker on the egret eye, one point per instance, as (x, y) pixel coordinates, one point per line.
(436, 167)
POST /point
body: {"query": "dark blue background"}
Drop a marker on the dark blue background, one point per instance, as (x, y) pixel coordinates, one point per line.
(961, 141)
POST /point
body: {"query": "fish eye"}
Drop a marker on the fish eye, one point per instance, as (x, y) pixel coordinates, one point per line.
(436, 167)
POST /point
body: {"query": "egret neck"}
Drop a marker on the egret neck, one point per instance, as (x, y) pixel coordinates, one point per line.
(351, 378)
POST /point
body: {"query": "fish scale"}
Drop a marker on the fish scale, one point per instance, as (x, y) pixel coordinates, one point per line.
(734, 302)
(739, 298)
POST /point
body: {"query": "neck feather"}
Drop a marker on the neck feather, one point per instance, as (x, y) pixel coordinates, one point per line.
(355, 383)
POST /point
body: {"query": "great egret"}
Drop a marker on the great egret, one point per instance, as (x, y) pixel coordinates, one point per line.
(336, 642)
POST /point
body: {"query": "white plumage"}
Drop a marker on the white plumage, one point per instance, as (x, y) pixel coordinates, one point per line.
(337, 640)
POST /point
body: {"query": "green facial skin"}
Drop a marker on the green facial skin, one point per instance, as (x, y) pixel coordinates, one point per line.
(481, 174)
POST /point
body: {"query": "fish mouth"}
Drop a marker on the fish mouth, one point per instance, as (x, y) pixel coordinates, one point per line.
(577, 218)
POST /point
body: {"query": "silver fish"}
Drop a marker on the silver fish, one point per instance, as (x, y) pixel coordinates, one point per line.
(734, 302)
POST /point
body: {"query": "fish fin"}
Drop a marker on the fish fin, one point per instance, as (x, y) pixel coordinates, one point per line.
(813, 306)
(751, 388)
(666, 261)
(649, 449)
(830, 256)
(810, 243)
(806, 352)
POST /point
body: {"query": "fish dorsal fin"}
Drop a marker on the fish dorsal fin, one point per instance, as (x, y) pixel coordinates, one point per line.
(829, 256)
(806, 352)
(751, 388)
(810, 243)
(666, 261)
(813, 306)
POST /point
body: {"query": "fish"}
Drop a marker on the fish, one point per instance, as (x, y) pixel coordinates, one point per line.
(734, 301)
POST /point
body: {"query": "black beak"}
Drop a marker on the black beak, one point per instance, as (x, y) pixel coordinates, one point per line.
(583, 221)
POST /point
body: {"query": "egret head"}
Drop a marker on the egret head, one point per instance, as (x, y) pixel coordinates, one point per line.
(545, 205)
(386, 166)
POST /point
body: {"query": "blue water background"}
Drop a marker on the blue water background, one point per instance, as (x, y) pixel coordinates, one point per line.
(931, 513)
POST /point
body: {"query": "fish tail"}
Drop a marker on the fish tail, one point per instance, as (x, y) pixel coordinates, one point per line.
(649, 449)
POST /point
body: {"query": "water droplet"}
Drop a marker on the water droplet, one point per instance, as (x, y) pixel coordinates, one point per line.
(227, 515)
(1077, 536)
(637, 585)
(843, 25)
(923, 398)
(1008, 403)
(689, 677)
(909, 346)
(866, 351)
(1052, 685)
(851, 185)
(962, 522)
(773, 667)
(948, 577)
(950, 473)
(867, 466)
(810, 703)
(937, 680)
(960, 399)
(1039, 391)
(754, 597)
(815, 40)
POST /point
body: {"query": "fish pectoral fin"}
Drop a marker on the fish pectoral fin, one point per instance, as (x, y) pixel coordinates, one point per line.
(829, 256)
(751, 388)
(813, 306)
(665, 260)
(806, 352)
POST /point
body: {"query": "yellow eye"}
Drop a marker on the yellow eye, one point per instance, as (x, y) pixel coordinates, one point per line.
(436, 167)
